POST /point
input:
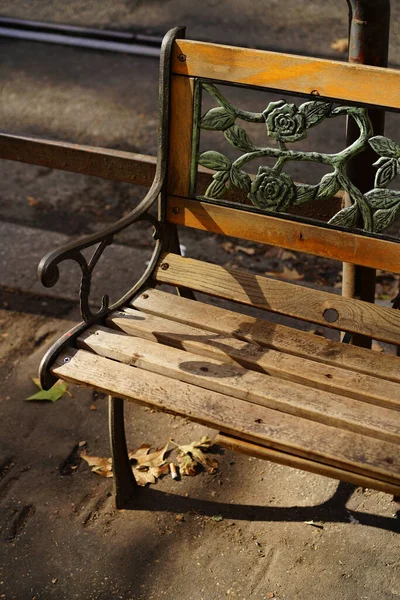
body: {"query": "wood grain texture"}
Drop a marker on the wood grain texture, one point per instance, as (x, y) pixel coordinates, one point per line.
(288, 72)
(281, 297)
(256, 357)
(297, 462)
(180, 135)
(340, 245)
(250, 422)
(245, 384)
(271, 335)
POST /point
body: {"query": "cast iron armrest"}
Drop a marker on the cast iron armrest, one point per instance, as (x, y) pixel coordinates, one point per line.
(48, 267)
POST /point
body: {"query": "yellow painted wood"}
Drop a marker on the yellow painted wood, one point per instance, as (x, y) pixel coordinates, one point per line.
(304, 237)
(180, 135)
(288, 72)
(285, 298)
(359, 453)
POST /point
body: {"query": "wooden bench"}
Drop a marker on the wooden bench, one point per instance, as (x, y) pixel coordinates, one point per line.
(269, 390)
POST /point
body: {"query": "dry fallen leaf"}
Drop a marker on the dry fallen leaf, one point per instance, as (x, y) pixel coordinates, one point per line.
(288, 274)
(189, 455)
(228, 247)
(33, 201)
(340, 45)
(249, 251)
(101, 466)
(376, 346)
(148, 467)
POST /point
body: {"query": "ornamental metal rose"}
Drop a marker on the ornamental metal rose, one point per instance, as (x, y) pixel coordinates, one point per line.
(272, 190)
(284, 122)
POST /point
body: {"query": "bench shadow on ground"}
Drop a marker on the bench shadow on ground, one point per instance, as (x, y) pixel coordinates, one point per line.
(333, 510)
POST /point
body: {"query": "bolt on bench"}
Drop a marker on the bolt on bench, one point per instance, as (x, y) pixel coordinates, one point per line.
(269, 390)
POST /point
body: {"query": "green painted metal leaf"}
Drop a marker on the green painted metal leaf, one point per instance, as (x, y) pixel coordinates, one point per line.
(315, 112)
(239, 138)
(214, 160)
(384, 146)
(347, 217)
(328, 186)
(383, 218)
(218, 119)
(381, 198)
(386, 173)
(218, 186)
(240, 179)
(305, 193)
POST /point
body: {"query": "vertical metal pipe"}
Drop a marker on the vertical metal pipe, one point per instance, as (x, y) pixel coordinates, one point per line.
(369, 22)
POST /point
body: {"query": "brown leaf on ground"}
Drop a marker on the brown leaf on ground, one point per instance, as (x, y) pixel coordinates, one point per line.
(101, 466)
(33, 201)
(340, 45)
(189, 455)
(249, 251)
(376, 346)
(148, 467)
(187, 466)
(287, 274)
(230, 248)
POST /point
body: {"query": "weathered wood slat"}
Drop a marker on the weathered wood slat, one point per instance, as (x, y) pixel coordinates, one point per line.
(180, 135)
(303, 237)
(272, 335)
(284, 298)
(253, 423)
(253, 356)
(297, 462)
(236, 381)
(288, 72)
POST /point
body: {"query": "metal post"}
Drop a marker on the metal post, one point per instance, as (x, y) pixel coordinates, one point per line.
(369, 22)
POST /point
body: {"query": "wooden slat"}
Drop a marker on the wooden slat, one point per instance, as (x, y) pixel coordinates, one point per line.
(258, 424)
(106, 163)
(259, 358)
(289, 460)
(288, 72)
(245, 384)
(285, 298)
(339, 245)
(180, 135)
(271, 335)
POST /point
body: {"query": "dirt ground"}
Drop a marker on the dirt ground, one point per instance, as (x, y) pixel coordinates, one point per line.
(253, 530)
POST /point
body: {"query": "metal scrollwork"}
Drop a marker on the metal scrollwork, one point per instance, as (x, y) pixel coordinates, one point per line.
(274, 190)
(49, 271)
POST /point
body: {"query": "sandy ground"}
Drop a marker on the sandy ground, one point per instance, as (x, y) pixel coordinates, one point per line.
(254, 530)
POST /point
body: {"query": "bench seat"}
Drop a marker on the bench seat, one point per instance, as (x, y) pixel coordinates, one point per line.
(270, 390)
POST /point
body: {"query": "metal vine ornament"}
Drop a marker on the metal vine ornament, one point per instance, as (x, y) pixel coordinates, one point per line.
(274, 190)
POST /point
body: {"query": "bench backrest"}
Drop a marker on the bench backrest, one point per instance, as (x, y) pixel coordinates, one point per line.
(257, 206)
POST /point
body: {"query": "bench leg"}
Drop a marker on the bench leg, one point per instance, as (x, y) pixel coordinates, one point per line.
(124, 481)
